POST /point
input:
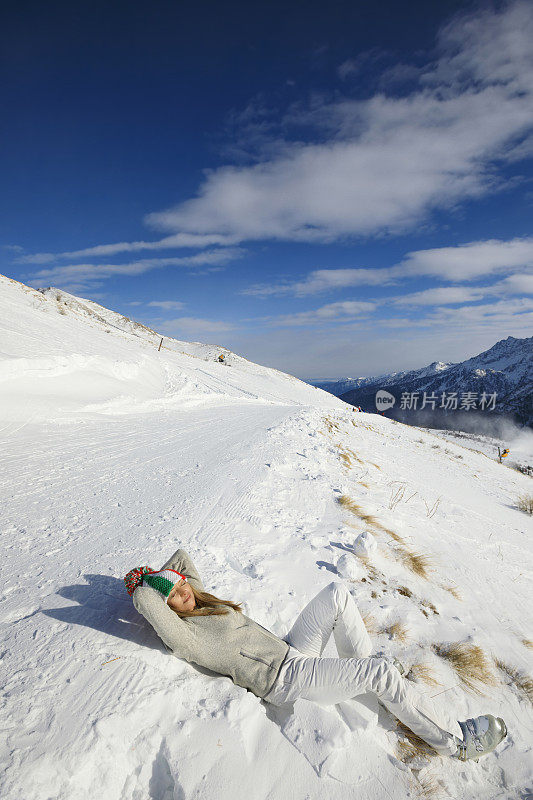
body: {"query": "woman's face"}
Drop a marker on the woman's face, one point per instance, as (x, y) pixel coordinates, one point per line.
(181, 597)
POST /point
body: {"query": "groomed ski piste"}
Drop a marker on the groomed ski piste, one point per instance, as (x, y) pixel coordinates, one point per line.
(115, 454)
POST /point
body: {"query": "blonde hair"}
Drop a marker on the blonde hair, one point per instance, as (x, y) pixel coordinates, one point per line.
(207, 605)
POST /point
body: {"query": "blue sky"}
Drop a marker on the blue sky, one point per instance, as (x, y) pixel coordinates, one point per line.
(329, 190)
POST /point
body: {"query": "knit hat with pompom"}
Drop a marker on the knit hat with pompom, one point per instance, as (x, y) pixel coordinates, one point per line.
(162, 580)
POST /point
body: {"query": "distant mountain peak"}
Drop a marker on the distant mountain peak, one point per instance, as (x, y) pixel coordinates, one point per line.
(506, 369)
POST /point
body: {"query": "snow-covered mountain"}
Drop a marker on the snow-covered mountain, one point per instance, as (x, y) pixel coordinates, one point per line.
(344, 385)
(505, 369)
(115, 454)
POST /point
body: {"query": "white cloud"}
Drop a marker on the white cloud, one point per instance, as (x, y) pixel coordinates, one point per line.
(324, 280)
(517, 310)
(167, 305)
(82, 276)
(348, 67)
(520, 283)
(369, 347)
(363, 61)
(470, 51)
(443, 295)
(168, 243)
(354, 314)
(332, 313)
(399, 73)
(503, 315)
(385, 163)
(470, 261)
(521, 150)
(459, 263)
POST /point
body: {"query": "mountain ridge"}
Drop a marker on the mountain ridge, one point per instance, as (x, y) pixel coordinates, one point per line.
(505, 369)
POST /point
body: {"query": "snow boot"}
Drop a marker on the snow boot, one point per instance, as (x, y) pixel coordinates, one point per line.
(480, 736)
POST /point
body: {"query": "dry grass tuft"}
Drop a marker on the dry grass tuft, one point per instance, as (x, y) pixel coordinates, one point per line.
(347, 455)
(406, 752)
(470, 663)
(423, 672)
(416, 562)
(411, 746)
(523, 683)
(350, 505)
(397, 495)
(429, 605)
(354, 455)
(369, 519)
(330, 424)
(429, 788)
(430, 512)
(396, 630)
(396, 536)
(525, 503)
(373, 572)
(403, 590)
(527, 643)
(346, 460)
(361, 483)
(453, 591)
(370, 624)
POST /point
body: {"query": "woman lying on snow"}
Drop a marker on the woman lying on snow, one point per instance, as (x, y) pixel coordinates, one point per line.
(200, 628)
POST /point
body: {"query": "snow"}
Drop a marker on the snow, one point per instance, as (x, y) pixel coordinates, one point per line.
(349, 567)
(115, 455)
(365, 544)
(519, 442)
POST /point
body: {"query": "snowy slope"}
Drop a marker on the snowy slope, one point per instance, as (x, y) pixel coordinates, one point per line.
(63, 356)
(519, 442)
(243, 467)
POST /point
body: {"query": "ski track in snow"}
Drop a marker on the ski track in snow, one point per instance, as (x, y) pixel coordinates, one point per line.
(238, 466)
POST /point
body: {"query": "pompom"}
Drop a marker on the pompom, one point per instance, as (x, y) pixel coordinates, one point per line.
(134, 578)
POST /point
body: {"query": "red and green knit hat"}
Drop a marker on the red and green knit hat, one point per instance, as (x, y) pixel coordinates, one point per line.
(162, 580)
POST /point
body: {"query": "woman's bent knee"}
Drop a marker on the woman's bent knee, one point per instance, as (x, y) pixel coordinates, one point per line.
(338, 591)
(384, 678)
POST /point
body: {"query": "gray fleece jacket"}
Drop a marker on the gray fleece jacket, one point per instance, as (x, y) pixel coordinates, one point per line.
(231, 644)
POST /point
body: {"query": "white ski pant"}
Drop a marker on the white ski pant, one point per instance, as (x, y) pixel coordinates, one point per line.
(305, 674)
